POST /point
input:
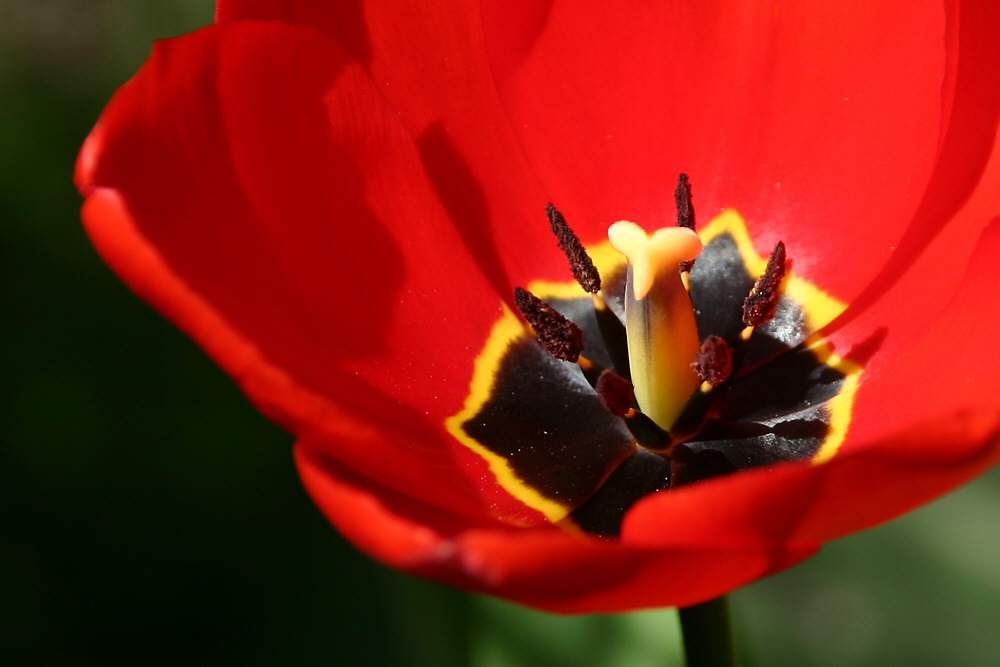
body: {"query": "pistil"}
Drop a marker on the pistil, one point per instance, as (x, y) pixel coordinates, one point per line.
(659, 319)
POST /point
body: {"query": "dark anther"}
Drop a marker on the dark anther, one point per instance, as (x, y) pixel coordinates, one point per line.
(685, 212)
(714, 364)
(682, 197)
(560, 337)
(615, 392)
(760, 304)
(579, 261)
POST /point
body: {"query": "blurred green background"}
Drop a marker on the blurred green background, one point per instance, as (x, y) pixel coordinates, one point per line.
(150, 516)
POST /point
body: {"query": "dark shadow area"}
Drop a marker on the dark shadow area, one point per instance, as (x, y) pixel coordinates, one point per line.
(150, 515)
(465, 201)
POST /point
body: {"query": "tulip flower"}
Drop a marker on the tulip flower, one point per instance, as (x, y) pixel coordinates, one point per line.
(339, 202)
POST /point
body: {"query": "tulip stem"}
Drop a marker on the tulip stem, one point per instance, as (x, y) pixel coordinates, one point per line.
(707, 633)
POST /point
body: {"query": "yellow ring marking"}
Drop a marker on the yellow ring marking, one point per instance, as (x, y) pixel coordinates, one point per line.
(507, 330)
(819, 308)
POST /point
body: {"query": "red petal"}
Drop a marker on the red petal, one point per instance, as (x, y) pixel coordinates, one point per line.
(865, 487)
(921, 341)
(963, 193)
(820, 122)
(430, 62)
(342, 21)
(253, 184)
(546, 568)
(801, 504)
(926, 420)
(938, 358)
(219, 185)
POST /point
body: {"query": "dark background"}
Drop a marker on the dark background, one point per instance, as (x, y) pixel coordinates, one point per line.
(149, 516)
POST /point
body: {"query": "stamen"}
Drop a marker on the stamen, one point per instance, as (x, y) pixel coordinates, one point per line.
(618, 395)
(682, 197)
(615, 392)
(762, 302)
(591, 371)
(714, 363)
(579, 261)
(685, 213)
(560, 337)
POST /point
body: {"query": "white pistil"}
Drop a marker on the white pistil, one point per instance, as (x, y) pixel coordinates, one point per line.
(659, 320)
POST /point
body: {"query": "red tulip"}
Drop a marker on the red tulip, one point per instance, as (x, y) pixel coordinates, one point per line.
(338, 204)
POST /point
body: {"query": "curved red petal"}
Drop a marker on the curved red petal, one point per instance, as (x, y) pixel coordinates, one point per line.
(925, 420)
(803, 503)
(283, 217)
(546, 568)
(938, 358)
(965, 180)
(920, 340)
(302, 202)
(430, 62)
(819, 122)
(901, 471)
(727, 512)
(342, 21)
(923, 274)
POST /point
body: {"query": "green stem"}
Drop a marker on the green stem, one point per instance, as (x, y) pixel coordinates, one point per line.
(708, 636)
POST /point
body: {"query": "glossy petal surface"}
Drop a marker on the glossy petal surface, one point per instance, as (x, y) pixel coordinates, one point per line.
(823, 124)
(337, 201)
(545, 567)
(251, 206)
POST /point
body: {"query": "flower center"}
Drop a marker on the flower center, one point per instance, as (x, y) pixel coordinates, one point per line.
(668, 372)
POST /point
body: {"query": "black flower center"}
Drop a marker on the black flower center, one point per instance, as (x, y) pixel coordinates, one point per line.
(565, 432)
